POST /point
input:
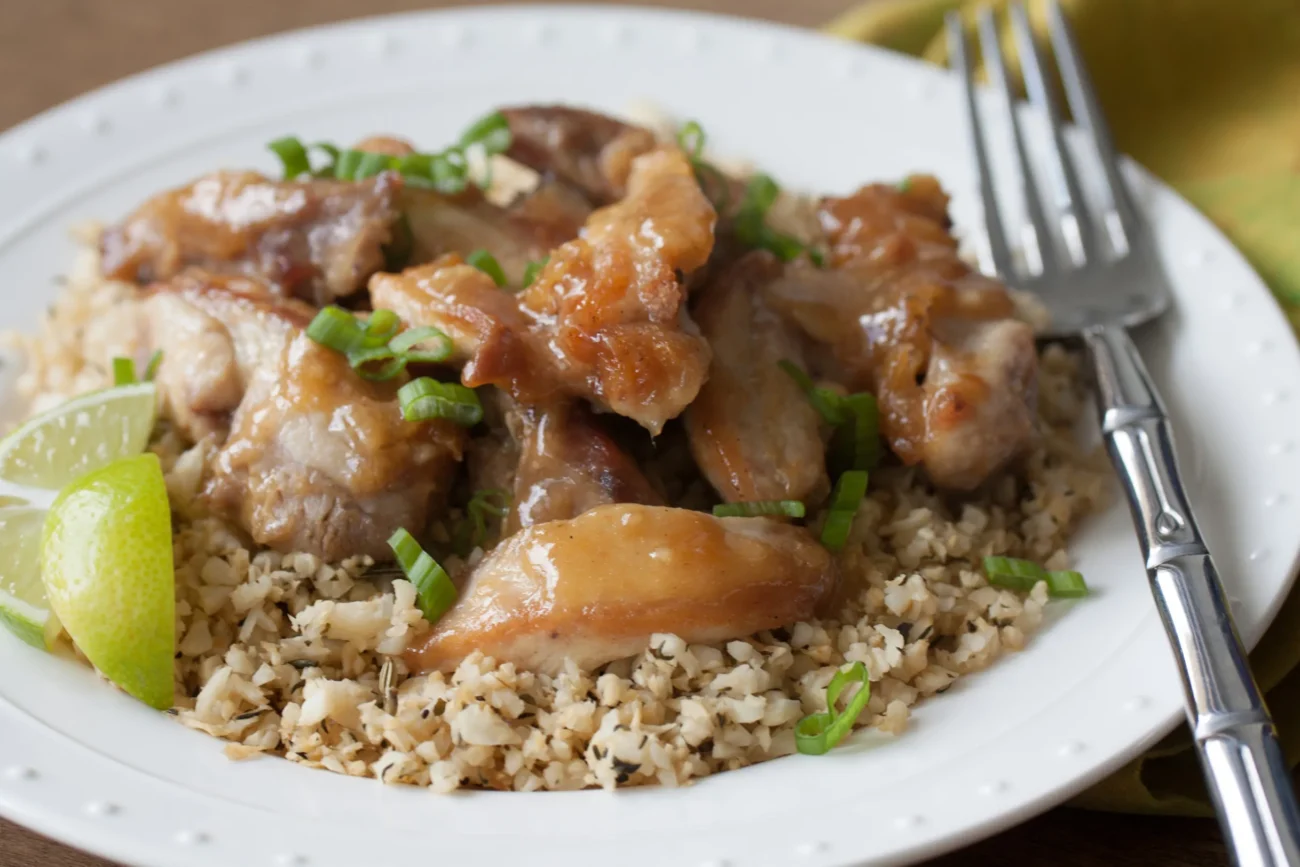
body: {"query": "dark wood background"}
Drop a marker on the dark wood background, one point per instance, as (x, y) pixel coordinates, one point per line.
(53, 50)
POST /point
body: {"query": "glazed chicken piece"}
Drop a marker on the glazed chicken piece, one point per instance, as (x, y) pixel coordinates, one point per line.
(954, 374)
(605, 320)
(597, 587)
(752, 431)
(525, 232)
(314, 239)
(568, 464)
(311, 457)
(592, 152)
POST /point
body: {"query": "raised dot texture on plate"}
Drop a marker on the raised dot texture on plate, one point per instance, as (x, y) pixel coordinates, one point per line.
(905, 822)
(996, 787)
(292, 861)
(815, 847)
(33, 154)
(192, 838)
(1273, 500)
(1258, 554)
(1070, 748)
(21, 772)
(102, 808)
(234, 75)
(1138, 702)
(383, 44)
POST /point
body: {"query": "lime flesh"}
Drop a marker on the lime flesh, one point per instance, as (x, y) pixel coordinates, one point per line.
(106, 560)
(63, 444)
(22, 595)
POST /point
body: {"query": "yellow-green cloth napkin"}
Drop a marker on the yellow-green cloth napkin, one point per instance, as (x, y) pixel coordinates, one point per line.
(1206, 94)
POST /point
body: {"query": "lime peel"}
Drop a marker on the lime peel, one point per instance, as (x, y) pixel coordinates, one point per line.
(106, 558)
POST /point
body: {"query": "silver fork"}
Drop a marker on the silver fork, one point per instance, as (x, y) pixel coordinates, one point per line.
(1099, 274)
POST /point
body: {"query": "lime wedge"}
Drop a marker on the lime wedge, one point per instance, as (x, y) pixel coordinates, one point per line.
(106, 557)
(22, 595)
(63, 444)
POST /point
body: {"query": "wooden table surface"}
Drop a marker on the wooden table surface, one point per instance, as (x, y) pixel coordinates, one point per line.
(52, 50)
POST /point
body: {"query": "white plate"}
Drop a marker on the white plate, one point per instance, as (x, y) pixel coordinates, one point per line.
(86, 765)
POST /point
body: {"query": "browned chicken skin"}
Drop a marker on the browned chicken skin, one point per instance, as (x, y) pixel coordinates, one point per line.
(593, 152)
(315, 239)
(596, 588)
(752, 432)
(568, 465)
(525, 232)
(605, 319)
(312, 458)
(955, 376)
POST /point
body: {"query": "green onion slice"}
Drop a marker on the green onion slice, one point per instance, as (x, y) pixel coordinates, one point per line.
(1066, 585)
(904, 185)
(1020, 575)
(492, 133)
(337, 329)
(532, 269)
(855, 445)
(472, 531)
(488, 264)
(755, 508)
(293, 156)
(376, 363)
(433, 586)
(827, 402)
(691, 138)
(381, 327)
(370, 165)
(847, 496)
(750, 225)
(438, 345)
(818, 733)
(123, 371)
(151, 369)
(424, 398)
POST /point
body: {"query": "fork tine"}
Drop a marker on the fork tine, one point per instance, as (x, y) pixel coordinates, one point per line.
(1039, 252)
(1121, 218)
(1075, 227)
(997, 239)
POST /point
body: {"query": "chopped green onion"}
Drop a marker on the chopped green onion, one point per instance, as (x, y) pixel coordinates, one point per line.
(433, 586)
(751, 228)
(346, 164)
(449, 176)
(380, 327)
(855, 445)
(904, 185)
(472, 531)
(123, 371)
(1013, 573)
(818, 733)
(376, 363)
(1020, 575)
(423, 399)
(371, 164)
(817, 256)
(293, 156)
(847, 496)
(337, 329)
(440, 345)
(532, 269)
(487, 263)
(1066, 584)
(491, 132)
(824, 400)
(691, 138)
(151, 369)
(755, 508)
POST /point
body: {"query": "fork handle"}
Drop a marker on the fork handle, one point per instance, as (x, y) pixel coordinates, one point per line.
(1248, 777)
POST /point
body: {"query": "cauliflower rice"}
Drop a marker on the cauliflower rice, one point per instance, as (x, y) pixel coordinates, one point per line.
(286, 655)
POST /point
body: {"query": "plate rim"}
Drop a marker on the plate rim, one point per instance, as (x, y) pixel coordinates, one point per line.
(936, 844)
